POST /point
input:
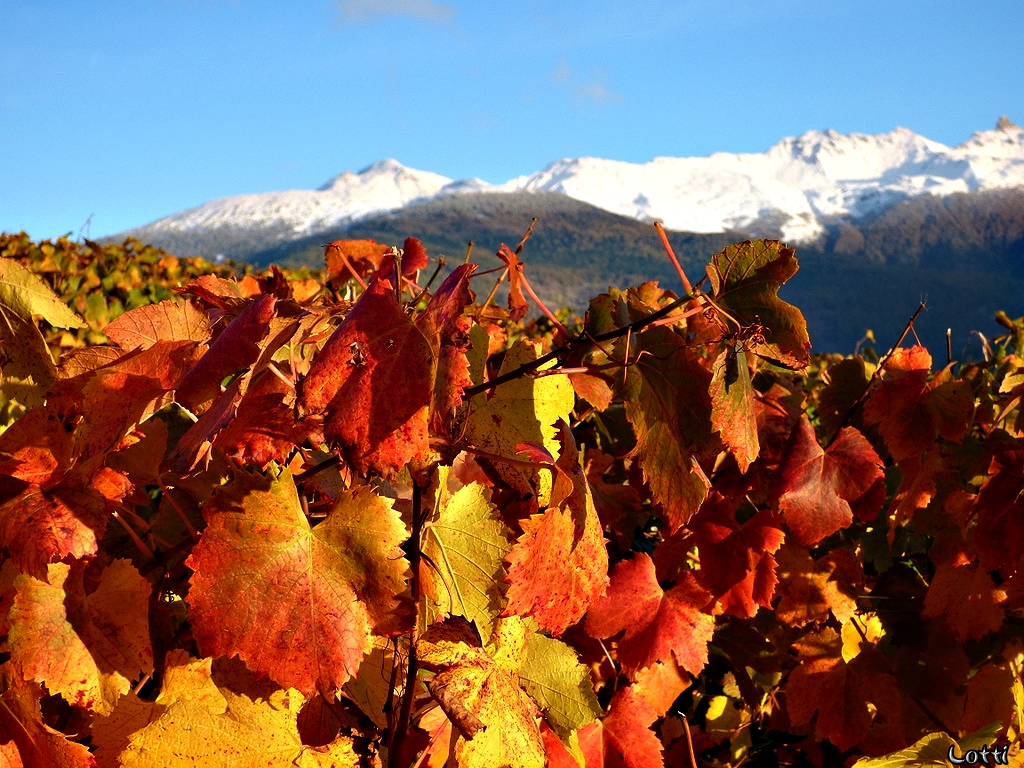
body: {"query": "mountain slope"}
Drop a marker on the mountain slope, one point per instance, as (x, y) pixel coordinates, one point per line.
(795, 190)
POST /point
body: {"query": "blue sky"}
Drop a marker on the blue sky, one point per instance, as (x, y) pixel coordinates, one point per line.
(115, 113)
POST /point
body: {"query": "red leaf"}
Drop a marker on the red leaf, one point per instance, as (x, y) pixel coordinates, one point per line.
(736, 564)
(373, 380)
(414, 257)
(821, 489)
(236, 348)
(295, 603)
(264, 428)
(623, 739)
(911, 411)
(559, 566)
(999, 535)
(517, 306)
(658, 624)
(448, 302)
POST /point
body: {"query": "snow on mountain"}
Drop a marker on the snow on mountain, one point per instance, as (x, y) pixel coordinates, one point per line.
(385, 185)
(794, 187)
(792, 190)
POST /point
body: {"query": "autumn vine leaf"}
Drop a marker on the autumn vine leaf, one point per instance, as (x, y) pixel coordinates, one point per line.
(559, 566)
(822, 489)
(479, 690)
(733, 411)
(660, 625)
(560, 684)
(234, 349)
(745, 280)
(373, 382)
(191, 733)
(144, 326)
(466, 543)
(624, 739)
(524, 410)
(736, 561)
(296, 603)
(517, 304)
(667, 401)
(86, 647)
(27, 296)
(36, 744)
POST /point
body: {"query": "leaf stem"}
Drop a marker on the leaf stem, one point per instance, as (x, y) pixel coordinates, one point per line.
(405, 713)
(687, 288)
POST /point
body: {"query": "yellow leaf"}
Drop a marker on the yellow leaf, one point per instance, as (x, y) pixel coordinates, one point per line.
(263, 732)
(523, 410)
(480, 693)
(466, 543)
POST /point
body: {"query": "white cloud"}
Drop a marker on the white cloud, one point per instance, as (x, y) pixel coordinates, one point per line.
(593, 91)
(369, 10)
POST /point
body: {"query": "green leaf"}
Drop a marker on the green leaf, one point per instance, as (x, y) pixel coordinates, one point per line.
(467, 543)
(27, 295)
(553, 675)
(746, 278)
(733, 410)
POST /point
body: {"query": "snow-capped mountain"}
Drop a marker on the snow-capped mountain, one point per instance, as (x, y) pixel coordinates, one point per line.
(385, 185)
(793, 190)
(796, 186)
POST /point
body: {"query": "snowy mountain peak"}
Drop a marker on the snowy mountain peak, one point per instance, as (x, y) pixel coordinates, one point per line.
(792, 190)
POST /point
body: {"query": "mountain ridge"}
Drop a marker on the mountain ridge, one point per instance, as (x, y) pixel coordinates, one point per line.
(794, 190)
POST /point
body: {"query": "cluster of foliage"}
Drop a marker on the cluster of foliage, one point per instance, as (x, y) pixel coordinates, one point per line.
(373, 522)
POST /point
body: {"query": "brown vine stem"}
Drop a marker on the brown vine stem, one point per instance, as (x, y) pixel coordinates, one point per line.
(687, 288)
(469, 251)
(875, 375)
(583, 340)
(405, 713)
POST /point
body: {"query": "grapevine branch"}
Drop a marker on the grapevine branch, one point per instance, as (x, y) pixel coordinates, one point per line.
(581, 340)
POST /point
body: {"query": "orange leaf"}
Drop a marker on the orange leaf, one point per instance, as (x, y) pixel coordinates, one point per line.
(86, 646)
(295, 603)
(623, 739)
(559, 566)
(659, 625)
(353, 258)
(968, 600)
(517, 305)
